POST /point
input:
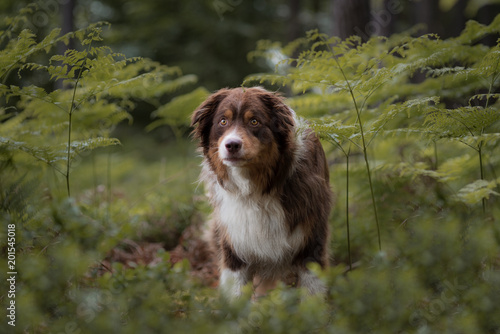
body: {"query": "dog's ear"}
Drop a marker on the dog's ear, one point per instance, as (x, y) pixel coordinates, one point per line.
(203, 115)
(281, 115)
(282, 126)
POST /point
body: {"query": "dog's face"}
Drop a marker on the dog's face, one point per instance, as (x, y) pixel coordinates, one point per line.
(243, 127)
(241, 130)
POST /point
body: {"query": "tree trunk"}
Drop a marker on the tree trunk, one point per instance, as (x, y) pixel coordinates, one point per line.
(294, 28)
(67, 20)
(456, 19)
(351, 17)
(67, 25)
(428, 12)
(386, 16)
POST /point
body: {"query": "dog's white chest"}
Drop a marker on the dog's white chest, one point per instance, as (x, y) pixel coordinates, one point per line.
(256, 227)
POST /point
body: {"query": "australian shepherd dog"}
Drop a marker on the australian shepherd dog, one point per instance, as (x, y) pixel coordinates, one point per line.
(267, 179)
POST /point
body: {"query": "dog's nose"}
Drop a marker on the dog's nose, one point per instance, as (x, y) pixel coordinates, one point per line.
(233, 146)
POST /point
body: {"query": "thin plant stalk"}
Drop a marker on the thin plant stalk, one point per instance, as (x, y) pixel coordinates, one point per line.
(347, 209)
(94, 177)
(346, 154)
(363, 141)
(480, 145)
(481, 167)
(68, 162)
(365, 154)
(436, 164)
(70, 114)
(108, 192)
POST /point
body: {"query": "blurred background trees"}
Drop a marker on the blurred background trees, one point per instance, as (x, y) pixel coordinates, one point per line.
(211, 38)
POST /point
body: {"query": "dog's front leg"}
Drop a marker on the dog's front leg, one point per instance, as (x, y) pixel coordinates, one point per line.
(311, 282)
(232, 281)
(234, 272)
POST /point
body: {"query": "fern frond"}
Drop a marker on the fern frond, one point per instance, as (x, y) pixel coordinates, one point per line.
(273, 79)
(487, 139)
(315, 104)
(173, 85)
(438, 72)
(334, 131)
(47, 154)
(177, 111)
(11, 125)
(474, 31)
(488, 66)
(47, 43)
(478, 190)
(411, 170)
(30, 93)
(460, 122)
(78, 147)
(450, 170)
(480, 97)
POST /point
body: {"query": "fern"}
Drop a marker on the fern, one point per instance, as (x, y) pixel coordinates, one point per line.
(471, 124)
(477, 191)
(100, 89)
(176, 112)
(355, 92)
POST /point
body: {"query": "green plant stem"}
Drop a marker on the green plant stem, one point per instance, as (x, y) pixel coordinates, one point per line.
(68, 162)
(479, 151)
(373, 196)
(347, 211)
(70, 114)
(108, 191)
(365, 154)
(363, 141)
(94, 177)
(436, 164)
(480, 145)
(347, 154)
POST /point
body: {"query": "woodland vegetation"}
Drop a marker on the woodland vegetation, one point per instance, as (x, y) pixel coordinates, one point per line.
(102, 215)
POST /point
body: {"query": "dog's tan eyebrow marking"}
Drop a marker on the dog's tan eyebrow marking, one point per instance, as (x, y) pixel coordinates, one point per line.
(228, 114)
(248, 115)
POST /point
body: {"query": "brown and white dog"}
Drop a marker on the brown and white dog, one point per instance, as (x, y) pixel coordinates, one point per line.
(268, 181)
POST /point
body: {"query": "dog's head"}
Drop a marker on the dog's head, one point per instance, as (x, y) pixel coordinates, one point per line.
(243, 127)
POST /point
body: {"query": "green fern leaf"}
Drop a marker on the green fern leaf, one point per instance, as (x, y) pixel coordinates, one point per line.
(78, 147)
(483, 97)
(478, 190)
(177, 111)
(460, 122)
(46, 154)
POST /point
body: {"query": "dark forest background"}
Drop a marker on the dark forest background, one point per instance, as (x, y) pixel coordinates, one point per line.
(211, 38)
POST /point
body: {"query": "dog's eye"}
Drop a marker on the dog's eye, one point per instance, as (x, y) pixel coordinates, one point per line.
(223, 122)
(254, 122)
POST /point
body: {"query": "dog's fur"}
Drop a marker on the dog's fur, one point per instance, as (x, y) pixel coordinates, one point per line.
(268, 181)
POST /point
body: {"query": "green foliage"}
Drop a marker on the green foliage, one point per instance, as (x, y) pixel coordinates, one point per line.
(408, 100)
(419, 88)
(176, 113)
(427, 109)
(59, 111)
(100, 88)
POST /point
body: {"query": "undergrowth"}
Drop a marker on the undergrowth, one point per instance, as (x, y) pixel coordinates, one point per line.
(422, 89)
(410, 126)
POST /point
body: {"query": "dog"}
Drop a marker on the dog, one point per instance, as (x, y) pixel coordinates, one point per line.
(267, 178)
